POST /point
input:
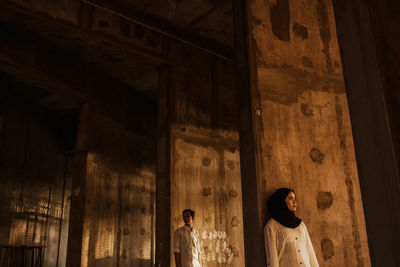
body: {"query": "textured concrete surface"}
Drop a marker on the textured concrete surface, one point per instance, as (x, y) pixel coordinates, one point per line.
(63, 54)
(205, 176)
(371, 71)
(35, 180)
(118, 227)
(204, 151)
(305, 136)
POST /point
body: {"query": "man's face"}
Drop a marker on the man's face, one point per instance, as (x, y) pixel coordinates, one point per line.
(291, 201)
(187, 218)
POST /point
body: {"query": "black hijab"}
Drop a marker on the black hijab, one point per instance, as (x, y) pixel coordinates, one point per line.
(279, 211)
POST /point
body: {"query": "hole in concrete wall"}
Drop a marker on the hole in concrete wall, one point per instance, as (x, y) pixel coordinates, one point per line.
(327, 248)
(300, 31)
(232, 193)
(280, 19)
(324, 200)
(316, 156)
(306, 62)
(206, 191)
(206, 161)
(306, 110)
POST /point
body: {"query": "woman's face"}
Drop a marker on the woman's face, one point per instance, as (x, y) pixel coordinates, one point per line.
(291, 201)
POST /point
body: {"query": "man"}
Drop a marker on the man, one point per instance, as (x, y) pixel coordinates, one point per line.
(187, 242)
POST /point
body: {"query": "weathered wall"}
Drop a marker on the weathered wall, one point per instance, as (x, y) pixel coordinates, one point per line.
(385, 18)
(96, 23)
(368, 43)
(118, 227)
(205, 168)
(35, 179)
(303, 128)
(88, 55)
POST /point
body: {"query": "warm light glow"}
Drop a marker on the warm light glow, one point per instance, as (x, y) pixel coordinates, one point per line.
(105, 239)
(215, 247)
(206, 178)
(18, 232)
(128, 194)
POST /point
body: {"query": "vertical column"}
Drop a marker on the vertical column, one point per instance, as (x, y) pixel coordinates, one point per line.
(78, 199)
(2, 100)
(295, 130)
(366, 83)
(163, 187)
(252, 199)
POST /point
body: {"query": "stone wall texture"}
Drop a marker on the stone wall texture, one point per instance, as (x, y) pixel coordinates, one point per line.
(304, 132)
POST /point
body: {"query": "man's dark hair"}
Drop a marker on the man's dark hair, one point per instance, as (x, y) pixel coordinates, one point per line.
(189, 210)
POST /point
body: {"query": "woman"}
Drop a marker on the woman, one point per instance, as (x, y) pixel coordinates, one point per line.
(287, 243)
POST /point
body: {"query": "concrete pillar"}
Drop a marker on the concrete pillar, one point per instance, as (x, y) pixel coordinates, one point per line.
(78, 196)
(163, 185)
(370, 63)
(251, 184)
(204, 153)
(2, 101)
(302, 129)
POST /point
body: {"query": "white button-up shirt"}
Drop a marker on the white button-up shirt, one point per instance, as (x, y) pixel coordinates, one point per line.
(288, 247)
(187, 243)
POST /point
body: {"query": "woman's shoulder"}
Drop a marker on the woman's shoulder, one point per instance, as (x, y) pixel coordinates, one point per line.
(302, 226)
(272, 223)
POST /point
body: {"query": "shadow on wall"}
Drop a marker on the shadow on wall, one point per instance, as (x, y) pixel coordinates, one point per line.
(35, 181)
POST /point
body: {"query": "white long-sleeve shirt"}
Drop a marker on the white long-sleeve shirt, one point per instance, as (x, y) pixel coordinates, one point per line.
(288, 247)
(187, 244)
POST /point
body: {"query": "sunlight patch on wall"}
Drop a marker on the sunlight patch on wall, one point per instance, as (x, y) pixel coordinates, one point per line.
(105, 239)
(206, 178)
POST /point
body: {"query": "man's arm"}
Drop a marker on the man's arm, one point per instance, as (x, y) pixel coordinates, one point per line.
(177, 248)
(177, 257)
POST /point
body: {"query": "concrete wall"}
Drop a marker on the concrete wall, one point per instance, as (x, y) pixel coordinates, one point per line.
(119, 187)
(204, 153)
(298, 105)
(35, 179)
(385, 19)
(113, 181)
(370, 65)
(303, 128)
